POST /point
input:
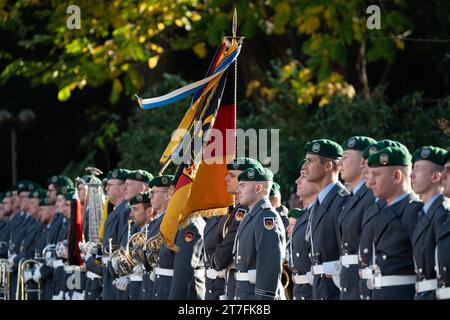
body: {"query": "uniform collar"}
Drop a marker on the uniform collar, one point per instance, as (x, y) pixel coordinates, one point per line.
(325, 191)
(358, 187)
(159, 214)
(399, 198)
(427, 205)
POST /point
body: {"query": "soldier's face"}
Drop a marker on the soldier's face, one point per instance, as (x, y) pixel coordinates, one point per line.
(350, 166)
(34, 207)
(7, 206)
(159, 198)
(247, 193)
(446, 179)
(15, 200)
(51, 192)
(82, 188)
(138, 214)
(305, 188)
(290, 227)
(24, 201)
(313, 168)
(132, 188)
(61, 203)
(365, 171)
(231, 181)
(115, 189)
(422, 176)
(382, 181)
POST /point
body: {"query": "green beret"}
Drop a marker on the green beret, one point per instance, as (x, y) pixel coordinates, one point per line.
(390, 156)
(256, 174)
(27, 185)
(325, 148)
(242, 163)
(63, 191)
(70, 194)
(430, 153)
(61, 181)
(119, 174)
(275, 188)
(358, 143)
(381, 145)
(88, 180)
(140, 175)
(38, 194)
(294, 213)
(46, 202)
(162, 181)
(143, 197)
(447, 157)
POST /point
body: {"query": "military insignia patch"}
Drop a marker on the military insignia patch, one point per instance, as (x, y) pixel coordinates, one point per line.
(35, 194)
(164, 180)
(240, 214)
(189, 236)
(425, 153)
(138, 176)
(251, 174)
(114, 174)
(30, 187)
(351, 142)
(269, 222)
(372, 150)
(235, 165)
(63, 190)
(21, 185)
(316, 147)
(139, 197)
(54, 179)
(384, 159)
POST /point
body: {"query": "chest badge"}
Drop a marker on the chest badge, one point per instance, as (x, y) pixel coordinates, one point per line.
(240, 214)
(188, 236)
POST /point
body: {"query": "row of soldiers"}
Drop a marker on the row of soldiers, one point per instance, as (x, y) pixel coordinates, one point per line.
(382, 233)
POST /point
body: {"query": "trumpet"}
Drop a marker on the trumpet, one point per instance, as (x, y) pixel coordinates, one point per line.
(22, 290)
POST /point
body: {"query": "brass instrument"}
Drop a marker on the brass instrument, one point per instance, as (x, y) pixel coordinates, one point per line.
(4, 279)
(22, 290)
(122, 264)
(151, 249)
(286, 280)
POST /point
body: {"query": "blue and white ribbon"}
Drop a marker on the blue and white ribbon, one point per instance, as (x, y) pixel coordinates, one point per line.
(189, 89)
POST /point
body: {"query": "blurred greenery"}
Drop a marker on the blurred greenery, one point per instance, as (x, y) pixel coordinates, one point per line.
(310, 68)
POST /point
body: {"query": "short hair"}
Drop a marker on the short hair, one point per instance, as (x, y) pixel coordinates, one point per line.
(267, 185)
(333, 161)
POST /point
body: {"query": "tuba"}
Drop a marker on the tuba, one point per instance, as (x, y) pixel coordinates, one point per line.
(93, 209)
(22, 290)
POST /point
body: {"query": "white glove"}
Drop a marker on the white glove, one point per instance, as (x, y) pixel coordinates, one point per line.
(11, 260)
(37, 275)
(50, 262)
(78, 296)
(122, 283)
(67, 296)
(59, 296)
(28, 275)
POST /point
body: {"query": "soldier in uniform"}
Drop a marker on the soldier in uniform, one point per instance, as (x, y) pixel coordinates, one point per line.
(426, 182)
(260, 240)
(442, 256)
(300, 262)
(141, 213)
(393, 264)
(98, 274)
(159, 196)
(368, 220)
(349, 221)
(188, 280)
(219, 246)
(275, 201)
(136, 181)
(321, 168)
